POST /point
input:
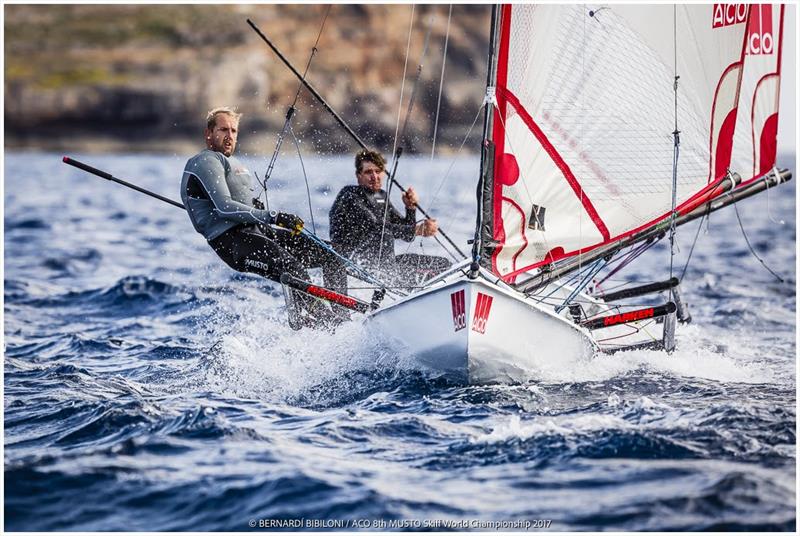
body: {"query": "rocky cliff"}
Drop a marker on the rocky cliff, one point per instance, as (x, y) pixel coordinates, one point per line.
(141, 77)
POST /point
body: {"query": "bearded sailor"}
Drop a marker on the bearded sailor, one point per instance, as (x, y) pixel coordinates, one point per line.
(217, 191)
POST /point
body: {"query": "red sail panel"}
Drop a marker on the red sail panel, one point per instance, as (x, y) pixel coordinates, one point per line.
(755, 139)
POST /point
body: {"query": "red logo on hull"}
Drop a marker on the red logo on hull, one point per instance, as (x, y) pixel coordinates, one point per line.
(459, 311)
(482, 308)
(728, 15)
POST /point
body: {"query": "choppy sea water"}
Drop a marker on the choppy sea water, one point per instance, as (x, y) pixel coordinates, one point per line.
(149, 387)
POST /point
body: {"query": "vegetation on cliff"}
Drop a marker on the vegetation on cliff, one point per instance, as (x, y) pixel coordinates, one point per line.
(141, 77)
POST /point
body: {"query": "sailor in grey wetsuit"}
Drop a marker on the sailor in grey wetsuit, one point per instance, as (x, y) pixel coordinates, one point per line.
(217, 192)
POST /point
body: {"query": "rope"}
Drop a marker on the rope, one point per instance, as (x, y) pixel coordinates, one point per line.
(643, 328)
(591, 271)
(776, 174)
(741, 226)
(625, 261)
(441, 81)
(362, 274)
(263, 190)
(562, 284)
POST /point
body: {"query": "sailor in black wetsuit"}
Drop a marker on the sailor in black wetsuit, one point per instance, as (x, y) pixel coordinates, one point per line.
(217, 191)
(358, 230)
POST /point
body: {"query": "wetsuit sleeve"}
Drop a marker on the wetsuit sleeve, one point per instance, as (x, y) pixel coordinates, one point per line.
(403, 228)
(211, 173)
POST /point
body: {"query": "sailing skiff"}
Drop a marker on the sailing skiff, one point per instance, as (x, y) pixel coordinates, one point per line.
(604, 130)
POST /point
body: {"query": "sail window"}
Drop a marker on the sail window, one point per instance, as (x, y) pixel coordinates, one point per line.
(536, 221)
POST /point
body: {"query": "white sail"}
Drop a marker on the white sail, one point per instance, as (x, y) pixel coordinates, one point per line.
(585, 115)
(755, 141)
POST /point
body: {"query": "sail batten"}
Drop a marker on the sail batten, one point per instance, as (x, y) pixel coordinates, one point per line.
(582, 130)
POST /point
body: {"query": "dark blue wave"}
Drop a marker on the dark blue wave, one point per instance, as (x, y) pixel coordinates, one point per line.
(25, 223)
(131, 296)
(148, 387)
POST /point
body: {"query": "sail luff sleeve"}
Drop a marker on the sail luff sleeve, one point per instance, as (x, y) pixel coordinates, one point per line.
(482, 247)
(496, 133)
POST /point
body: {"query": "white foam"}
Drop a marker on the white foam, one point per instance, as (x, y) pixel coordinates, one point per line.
(564, 425)
(262, 357)
(697, 356)
(259, 356)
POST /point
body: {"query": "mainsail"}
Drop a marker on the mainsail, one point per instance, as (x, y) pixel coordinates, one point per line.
(583, 127)
(755, 141)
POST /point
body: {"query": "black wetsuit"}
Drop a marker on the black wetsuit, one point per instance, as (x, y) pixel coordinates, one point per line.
(217, 192)
(356, 222)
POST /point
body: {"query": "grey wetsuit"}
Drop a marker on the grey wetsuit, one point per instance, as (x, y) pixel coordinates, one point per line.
(217, 191)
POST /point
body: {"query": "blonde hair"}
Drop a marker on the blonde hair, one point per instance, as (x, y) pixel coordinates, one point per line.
(211, 118)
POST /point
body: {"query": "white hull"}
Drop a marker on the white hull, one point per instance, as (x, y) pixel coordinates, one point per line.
(496, 336)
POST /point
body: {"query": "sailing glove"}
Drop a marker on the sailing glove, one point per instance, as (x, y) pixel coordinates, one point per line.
(289, 221)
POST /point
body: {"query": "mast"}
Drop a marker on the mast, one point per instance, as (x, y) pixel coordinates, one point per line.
(485, 233)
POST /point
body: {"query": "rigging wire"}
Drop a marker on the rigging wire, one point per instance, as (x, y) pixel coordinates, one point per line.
(292, 108)
(403, 81)
(396, 133)
(696, 236)
(412, 98)
(399, 148)
(441, 81)
(447, 175)
(562, 283)
(305, 178)
(636, 250)
(591, 271)
(456, 259)
(677, 143)
(460, 148)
